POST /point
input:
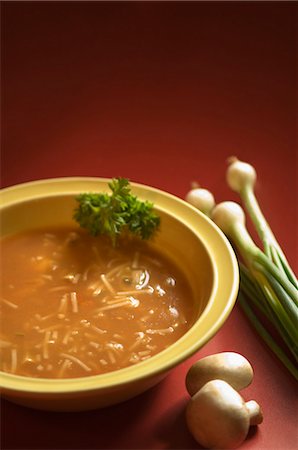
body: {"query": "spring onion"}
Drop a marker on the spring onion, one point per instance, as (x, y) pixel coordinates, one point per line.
(268, 286)
(241, 178)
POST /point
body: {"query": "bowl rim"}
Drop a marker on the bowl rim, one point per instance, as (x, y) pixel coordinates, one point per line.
(224, 266)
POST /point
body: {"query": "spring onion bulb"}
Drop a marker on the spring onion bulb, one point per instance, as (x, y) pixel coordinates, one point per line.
(230, 217)
(201, 199)
(240, 174)
(268, 287)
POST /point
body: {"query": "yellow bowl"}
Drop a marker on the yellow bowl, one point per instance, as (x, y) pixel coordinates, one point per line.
(197, 245)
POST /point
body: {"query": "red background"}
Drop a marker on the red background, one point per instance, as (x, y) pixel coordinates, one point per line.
(161, 93)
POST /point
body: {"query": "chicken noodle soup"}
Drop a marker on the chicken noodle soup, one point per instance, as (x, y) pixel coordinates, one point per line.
(72, 305)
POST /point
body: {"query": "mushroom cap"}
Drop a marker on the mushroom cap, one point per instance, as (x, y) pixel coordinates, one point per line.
(227, 366)
(217, 416)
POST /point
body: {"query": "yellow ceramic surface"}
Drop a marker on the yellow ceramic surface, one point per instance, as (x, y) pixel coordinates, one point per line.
(186, 235)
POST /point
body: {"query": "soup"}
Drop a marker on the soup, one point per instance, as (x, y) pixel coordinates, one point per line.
(72, 305)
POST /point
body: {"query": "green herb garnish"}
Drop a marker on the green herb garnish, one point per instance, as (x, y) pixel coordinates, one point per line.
(115, 213)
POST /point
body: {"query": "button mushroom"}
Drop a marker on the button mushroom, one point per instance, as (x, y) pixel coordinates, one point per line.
(218, 417)
(227, 366)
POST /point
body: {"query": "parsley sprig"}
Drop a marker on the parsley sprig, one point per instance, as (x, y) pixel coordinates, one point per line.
(115, 213)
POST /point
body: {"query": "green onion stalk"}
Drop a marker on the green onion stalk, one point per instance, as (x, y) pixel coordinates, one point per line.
(268, 286)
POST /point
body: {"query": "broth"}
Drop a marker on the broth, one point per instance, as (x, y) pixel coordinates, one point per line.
(72, 305)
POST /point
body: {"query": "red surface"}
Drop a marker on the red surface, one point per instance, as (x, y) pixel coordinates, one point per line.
(161, 93)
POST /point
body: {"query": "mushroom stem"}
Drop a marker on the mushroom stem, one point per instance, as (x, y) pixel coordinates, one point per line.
(255, 412)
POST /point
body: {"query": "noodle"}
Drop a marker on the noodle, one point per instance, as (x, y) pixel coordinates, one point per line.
(113, 306)
(9, 303)
(135, 291)
(14, 360)
(162, 331)
(74, 302)
(111, 357)
(45, 350)
(94, 344)
(107, 284)
(63, 303)
(66, 337)
(66, 363)
(76, 360)
(98, 330)
(116, 270)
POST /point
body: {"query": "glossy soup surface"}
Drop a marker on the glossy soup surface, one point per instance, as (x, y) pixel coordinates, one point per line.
(72, 305)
